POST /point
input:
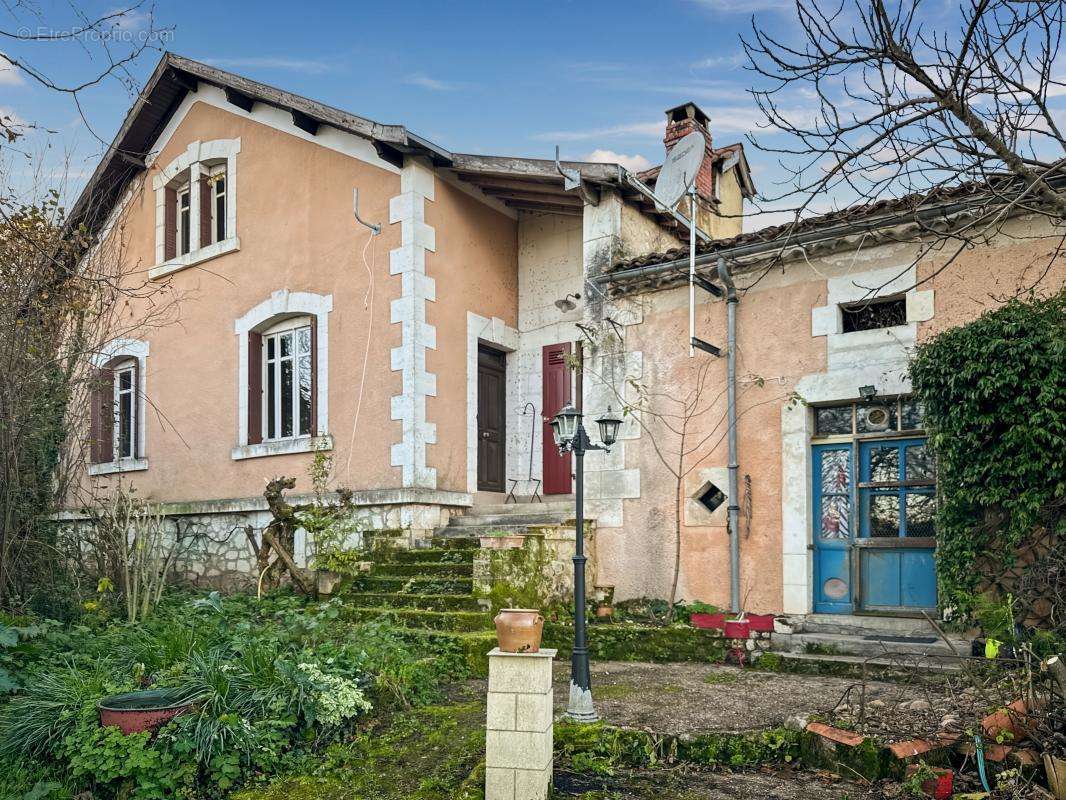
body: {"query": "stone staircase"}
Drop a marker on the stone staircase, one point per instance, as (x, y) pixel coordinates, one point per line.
(875, 640)
(429, 593)
(510, 518)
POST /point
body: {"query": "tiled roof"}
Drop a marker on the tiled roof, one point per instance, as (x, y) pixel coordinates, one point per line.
(891, 208)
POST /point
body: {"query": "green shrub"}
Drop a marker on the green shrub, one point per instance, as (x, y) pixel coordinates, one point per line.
(994, 392)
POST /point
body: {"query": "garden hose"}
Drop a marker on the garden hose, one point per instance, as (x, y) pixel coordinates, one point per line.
(981, 761)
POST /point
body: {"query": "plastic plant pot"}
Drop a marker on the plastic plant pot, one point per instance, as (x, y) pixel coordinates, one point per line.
(737, 629)
(713, 622)
(761, 623)
(141, 711)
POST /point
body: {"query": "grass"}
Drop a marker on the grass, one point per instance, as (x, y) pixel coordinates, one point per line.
(427, 754)
(720, 678)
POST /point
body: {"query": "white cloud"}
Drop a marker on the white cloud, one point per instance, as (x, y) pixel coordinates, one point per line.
(431, 83)
(305, 65)
(9, 76)
(634, 163)
(645, 129)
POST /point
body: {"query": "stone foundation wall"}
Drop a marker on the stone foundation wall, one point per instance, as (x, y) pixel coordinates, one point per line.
(216, 552)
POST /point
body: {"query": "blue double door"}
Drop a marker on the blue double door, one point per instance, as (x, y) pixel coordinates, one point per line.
(874, 536)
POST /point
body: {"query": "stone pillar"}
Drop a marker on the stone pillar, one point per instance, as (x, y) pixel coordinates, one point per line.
(518, 726)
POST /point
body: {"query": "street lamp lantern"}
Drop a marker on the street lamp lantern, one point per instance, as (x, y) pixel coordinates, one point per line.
(564, 425)
(570, 437)
(609, 424)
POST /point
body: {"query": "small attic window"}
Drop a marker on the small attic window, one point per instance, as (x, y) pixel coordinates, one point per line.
(868, 316)
(710, 496)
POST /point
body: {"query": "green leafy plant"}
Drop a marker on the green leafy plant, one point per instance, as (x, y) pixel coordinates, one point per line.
(994, 392)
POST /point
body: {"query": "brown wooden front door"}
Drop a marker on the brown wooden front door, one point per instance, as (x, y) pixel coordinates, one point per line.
(491, 419)
(556, 393)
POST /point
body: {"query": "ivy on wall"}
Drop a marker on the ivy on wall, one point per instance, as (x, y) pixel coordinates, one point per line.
(995, 400)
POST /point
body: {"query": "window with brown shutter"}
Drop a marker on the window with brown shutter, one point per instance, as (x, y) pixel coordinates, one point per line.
(205, 211)
(170, 224)
(102, 417)
(255, 388)
(314, 376)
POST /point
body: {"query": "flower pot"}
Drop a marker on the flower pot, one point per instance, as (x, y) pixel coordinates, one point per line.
(141, 711)
(707, 621)
(604, 611)
(518, 630)
(1056, 775)
(761, 623)
(737, 629)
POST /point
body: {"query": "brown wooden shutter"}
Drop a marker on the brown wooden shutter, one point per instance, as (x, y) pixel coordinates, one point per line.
(205, 211)
(170, 223)
(314, 376)
(255, 388)
(102, 417)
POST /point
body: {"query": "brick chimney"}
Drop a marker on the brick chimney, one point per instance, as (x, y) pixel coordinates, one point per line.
(681, 121)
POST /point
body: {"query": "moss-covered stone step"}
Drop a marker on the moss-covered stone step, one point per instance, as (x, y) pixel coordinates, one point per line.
(471, 647)
(458, 621)
(625, 642)
(402, 584)
(427, 602)
(426, 568)
(627, 748)
(449, 555)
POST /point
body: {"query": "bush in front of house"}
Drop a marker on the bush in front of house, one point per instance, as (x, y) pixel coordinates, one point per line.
(270, 682)
(994, 392)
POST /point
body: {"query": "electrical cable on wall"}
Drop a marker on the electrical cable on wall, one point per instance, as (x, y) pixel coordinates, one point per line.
(368, 304)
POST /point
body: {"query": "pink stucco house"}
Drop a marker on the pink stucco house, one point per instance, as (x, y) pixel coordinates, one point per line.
(425, 357)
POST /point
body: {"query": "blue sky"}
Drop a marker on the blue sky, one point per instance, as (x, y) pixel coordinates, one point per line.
(512, 78)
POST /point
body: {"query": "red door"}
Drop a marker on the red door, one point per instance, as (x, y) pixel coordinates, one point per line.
(556, 394)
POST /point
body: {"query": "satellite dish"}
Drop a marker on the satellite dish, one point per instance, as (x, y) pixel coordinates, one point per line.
(679, 170)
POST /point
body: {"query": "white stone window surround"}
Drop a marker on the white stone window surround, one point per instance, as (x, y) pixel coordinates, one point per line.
(281, 305)
(134, 350)
(192, 166)
(878, 345)
(495, 333)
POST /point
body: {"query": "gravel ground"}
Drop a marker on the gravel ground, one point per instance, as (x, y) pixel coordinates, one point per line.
(691, 698)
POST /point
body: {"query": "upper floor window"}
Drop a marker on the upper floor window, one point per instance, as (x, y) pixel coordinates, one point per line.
(868, 316)
(184, 221)
(196, 216)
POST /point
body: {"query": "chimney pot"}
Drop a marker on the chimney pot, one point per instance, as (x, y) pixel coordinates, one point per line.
(682, 120)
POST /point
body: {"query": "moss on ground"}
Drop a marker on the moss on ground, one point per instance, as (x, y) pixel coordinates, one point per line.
(427, 754)
(626, 642)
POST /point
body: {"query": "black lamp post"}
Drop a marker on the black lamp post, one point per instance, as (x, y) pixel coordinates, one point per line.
(570, 436)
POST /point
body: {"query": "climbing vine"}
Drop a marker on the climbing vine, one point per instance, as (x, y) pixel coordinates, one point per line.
(995, 400)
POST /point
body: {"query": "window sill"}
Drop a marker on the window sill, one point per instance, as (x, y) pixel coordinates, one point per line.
(195, 257)
(125, 465)
(282, 447)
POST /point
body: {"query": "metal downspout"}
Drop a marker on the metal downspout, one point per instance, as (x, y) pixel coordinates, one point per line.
(731, 412)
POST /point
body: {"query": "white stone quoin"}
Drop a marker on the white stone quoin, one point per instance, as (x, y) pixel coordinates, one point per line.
(518, 726)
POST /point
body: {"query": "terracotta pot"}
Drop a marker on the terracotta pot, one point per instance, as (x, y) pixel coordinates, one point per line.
(604, 611)
(707, 621)
(140, 711)
(518, 630)
(1056, 775)
(737, 629)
